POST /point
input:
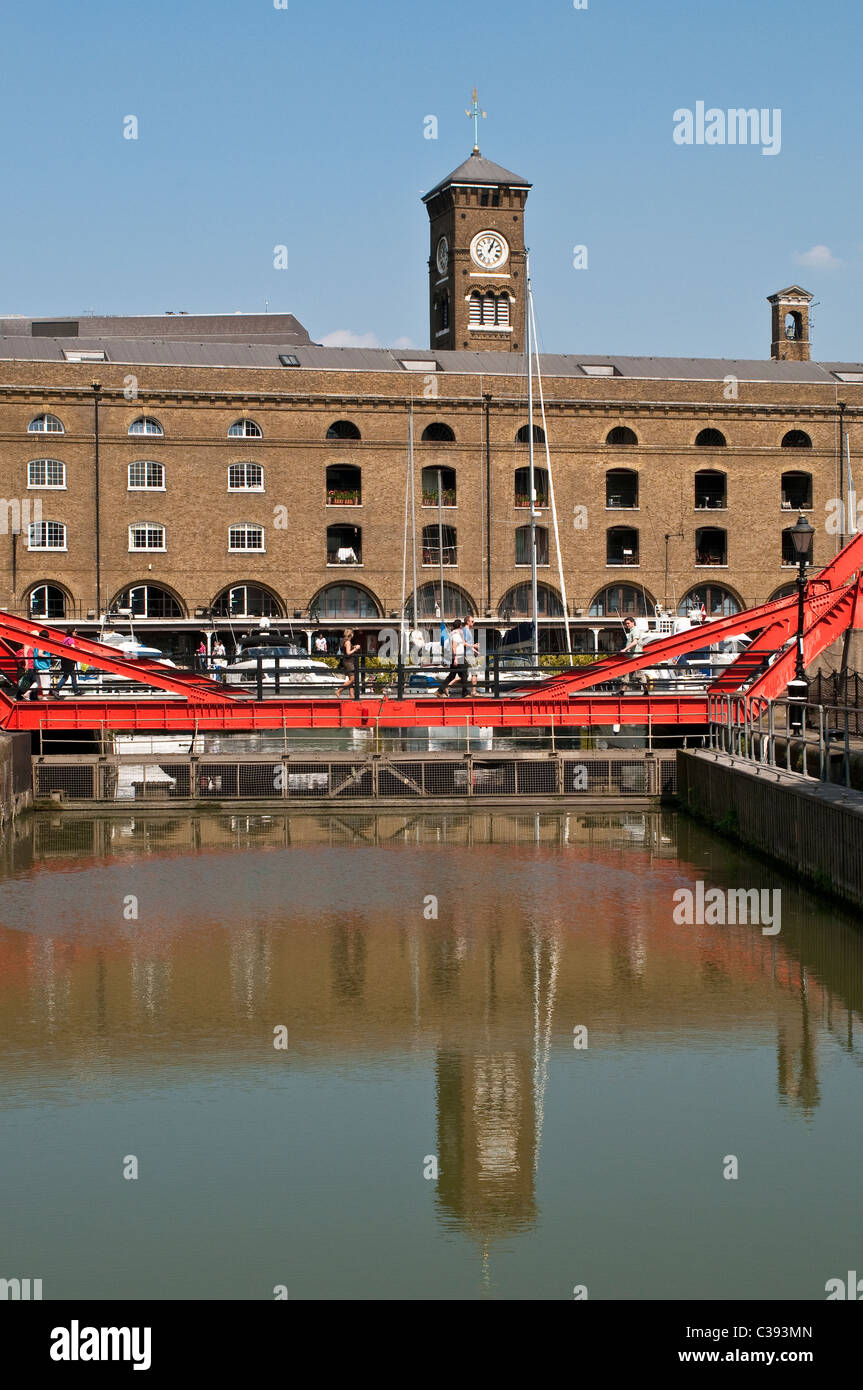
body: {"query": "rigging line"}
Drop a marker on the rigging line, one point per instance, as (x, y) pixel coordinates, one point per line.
(402, 642)
(551, 497)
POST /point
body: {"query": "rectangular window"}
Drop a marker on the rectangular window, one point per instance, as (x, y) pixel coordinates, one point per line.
(245, 477)
(145, 475)
(246, 538)
(599, 369)
(77, 356)
(47, 535)
(46, 473)
(146, 536)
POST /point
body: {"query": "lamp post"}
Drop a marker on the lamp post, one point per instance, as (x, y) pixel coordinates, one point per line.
(798, 688)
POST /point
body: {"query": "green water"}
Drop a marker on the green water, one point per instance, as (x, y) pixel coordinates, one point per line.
(430, 1130)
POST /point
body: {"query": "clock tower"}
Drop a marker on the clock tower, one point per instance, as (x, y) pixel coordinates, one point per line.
(477, 282)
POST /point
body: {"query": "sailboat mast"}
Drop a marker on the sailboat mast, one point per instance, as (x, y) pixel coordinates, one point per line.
(415, 617)
(531, 484)
(440, 545)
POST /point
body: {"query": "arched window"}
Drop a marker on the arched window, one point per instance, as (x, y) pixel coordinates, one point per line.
(246, 535)
(343, 601)
(621, 545)
(149, 601)
(796, 491)
(46, 535)
(789, 552)
(710, 494)
(522, 487)
(246, 601)
(46, 473)
(796, 439)
(46, 424)
(438, 433)
(245, 477)
(343, 429)
(447, 486)
(517, 602)
(712, 598)
(145, 424)
(711, 439)
(146, 535)
(245, 429)
(621, 489)
(621, 599)
(522, 545)
(784, 591)
(621, 437)
(456, 604)
(711, 546)
(144, 475)
(46, 601)
(432, 538)
(475, 309)
(344, 545)
(344, 485)
(523, 435)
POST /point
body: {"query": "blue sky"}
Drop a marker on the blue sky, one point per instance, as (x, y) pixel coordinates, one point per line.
(303, 127)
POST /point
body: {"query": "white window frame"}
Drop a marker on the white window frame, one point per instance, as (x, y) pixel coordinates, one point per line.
(254, 433)
(246, 526)
(145, 487)
(45, 525)
(46, 486)
(246, 487)
(147, 526)
(46, 415)
(157, 433)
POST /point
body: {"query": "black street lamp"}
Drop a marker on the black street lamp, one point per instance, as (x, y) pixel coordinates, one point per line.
(798, 689)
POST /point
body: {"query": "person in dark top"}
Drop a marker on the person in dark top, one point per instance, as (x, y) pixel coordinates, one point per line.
(348, 650)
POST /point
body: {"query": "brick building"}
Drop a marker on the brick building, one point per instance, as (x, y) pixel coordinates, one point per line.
(222, 467)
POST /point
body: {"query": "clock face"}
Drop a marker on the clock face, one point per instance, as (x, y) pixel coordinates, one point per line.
(489, 250)
(442, 255)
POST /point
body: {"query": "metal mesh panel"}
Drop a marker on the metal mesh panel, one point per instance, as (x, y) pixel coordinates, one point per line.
(400, 779)
(308, 779)
(216, 780)
(493, 779)
(668, 776)
(350, 779)
(260, 779)
(74, 779)
(537, 778)
(629, 778)
(589, 776)
(445, 779)
(181, 777)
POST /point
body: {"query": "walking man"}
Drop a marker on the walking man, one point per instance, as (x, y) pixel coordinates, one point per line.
(471, 653)
(458, 669)
(28, 676)
(68, 667)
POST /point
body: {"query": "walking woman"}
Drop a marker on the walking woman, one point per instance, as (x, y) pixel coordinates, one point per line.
(348, 650)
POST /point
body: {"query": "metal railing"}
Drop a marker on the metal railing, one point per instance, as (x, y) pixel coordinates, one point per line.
(170, 778)
(813, 740)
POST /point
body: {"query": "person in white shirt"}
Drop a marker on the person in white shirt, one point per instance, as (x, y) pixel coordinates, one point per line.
(458, 669)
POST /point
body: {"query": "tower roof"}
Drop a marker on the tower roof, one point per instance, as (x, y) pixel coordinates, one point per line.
(476, 169)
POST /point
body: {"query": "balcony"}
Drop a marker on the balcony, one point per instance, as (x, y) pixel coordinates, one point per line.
(345, 497)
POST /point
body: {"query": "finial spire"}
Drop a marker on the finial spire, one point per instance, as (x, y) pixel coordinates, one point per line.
(475, 112)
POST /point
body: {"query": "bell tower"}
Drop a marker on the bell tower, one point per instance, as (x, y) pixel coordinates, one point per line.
(477, 291)
(790, 324)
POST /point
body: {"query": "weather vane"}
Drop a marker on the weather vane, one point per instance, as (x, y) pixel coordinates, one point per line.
(475, 113)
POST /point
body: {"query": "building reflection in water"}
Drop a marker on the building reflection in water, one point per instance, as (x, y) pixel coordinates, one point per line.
(545, 922)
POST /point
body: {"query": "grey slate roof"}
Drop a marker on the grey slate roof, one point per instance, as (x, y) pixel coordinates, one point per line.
(476, 169)
(224, 328)
(180, 352)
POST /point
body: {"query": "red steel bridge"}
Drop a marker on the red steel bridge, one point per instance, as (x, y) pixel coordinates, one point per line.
(833, 605)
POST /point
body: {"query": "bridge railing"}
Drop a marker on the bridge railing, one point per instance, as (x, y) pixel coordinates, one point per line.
(797, 736)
